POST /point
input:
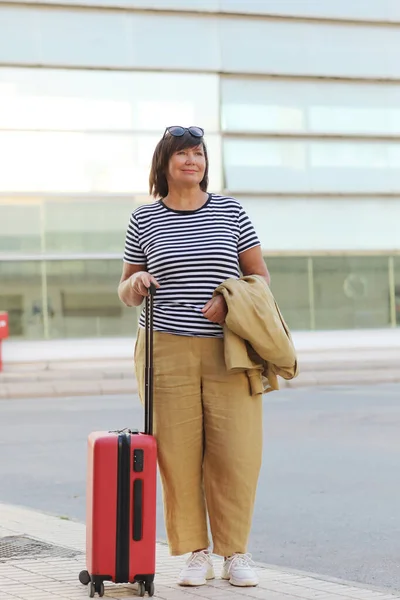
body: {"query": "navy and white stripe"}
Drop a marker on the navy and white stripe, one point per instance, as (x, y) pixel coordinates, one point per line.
(189, 253)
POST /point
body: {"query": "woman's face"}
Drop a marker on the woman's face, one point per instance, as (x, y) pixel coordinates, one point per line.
(187, 166)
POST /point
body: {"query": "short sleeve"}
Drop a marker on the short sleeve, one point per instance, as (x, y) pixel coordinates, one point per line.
(247, 236)
(133, 252)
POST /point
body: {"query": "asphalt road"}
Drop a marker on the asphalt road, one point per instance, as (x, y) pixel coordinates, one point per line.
(329, 493)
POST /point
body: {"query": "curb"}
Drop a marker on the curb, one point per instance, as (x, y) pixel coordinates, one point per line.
(64, 389)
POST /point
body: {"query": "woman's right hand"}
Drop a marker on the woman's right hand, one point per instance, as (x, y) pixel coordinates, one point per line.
(140, 283)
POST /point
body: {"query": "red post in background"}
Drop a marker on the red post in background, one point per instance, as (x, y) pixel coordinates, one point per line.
(3, 332)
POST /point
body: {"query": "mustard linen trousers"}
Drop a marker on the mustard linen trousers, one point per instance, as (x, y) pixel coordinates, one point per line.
(209, 433)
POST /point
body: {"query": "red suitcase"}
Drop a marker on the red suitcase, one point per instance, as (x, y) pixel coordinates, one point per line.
(121, 497)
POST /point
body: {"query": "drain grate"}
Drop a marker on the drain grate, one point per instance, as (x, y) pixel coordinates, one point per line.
(22, 547)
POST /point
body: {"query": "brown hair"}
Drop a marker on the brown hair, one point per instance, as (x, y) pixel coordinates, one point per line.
(165, 148)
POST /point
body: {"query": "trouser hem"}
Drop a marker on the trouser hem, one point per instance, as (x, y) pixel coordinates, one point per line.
(228, 550)
(188, 547)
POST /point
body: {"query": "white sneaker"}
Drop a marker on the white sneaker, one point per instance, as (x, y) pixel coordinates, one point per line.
(199, 568)
(239, 570)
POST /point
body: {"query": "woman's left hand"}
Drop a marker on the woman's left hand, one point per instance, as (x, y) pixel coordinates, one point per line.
(215, 310)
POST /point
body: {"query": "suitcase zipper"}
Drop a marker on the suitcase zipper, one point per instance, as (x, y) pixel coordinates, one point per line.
(123, 513)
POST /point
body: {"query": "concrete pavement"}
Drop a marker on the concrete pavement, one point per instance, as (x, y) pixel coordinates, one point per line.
(50, 570)
(105, 365)
(28, 351)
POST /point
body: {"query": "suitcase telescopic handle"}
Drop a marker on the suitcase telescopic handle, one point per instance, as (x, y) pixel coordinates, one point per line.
(148, 379)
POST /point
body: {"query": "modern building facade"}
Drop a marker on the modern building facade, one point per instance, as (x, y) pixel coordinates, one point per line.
(300, 101)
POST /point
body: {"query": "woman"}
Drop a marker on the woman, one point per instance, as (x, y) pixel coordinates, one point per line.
(208, 426)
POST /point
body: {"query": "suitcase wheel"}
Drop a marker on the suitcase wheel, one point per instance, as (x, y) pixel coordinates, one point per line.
(93, 588)
(141, 588)
(84, 577)
(150, 589)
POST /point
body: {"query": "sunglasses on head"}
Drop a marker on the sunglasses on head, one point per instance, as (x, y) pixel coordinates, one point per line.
(178, 131)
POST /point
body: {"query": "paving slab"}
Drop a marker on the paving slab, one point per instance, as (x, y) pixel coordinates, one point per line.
(56, 577)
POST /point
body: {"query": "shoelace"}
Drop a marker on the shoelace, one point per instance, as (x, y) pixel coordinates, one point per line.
(241, 560)
(198, 559)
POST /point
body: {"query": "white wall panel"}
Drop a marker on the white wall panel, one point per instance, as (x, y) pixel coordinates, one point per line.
(107, 39)
(106, 100)
(186, 5)
(311, 166)
(379, 10)
(122, 39)
(180, 42)
(17, 40)
(67, 37)
(325, 223)
(270, 105)
(302, 48)
(365, 10)
(84, 162)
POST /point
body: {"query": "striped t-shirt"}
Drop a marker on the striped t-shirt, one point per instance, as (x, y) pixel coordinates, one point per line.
(190, 253)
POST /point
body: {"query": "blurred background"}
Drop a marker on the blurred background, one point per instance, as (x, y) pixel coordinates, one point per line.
(300, 101)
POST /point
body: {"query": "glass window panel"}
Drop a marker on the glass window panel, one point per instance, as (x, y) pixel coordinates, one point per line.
(397, 287)
(80, 162)
(311, 166)
(85, 100)
(20, 225)
(325, 223)
(300, 48)
(309, 106)
(84, 304)
(21, 297)
(84, 301)
(351, 292)
(87, 225)
(289, 285)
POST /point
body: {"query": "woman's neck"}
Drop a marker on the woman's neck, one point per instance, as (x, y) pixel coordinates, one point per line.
(187, 199)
